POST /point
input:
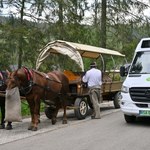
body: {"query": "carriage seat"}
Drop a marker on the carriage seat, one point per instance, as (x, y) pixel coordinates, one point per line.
(72, 76)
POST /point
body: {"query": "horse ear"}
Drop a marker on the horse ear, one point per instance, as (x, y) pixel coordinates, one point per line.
(8, 72)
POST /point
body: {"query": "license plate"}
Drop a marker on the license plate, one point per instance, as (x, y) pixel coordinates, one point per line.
(144, 112)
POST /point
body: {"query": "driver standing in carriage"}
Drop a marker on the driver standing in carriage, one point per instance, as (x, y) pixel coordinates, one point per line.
(93, 78)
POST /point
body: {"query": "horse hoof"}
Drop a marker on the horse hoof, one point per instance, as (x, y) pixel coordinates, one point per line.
(34, 129)
(30, 127)
(64, 122)
(53, 122)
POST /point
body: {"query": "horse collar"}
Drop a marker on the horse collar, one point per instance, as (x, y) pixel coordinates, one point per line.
(28, 73)
(27, 89)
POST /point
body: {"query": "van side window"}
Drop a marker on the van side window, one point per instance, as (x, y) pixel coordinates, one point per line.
(141, 63)
(145, 44)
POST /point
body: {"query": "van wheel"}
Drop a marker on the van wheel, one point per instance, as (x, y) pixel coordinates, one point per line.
(81, 108)
(117, 100)
(129, 119)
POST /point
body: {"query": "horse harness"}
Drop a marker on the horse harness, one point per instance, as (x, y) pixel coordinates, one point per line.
(29, 73)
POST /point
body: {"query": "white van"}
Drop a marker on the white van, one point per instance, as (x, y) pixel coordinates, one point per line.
(135, 92)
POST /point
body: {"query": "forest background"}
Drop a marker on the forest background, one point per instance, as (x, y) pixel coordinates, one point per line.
(29, 25)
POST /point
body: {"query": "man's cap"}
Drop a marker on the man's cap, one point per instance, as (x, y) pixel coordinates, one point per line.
(93, 64)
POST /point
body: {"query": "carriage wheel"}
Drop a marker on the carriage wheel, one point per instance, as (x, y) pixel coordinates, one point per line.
(81, 108)
(48, 112)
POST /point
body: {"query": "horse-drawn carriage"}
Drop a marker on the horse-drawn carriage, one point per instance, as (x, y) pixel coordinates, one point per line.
(65, 89)
(78, 91)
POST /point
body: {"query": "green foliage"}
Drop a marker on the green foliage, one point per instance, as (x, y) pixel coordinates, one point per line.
(25, 111)
(59, 62)
(22, 39)
(115, 76)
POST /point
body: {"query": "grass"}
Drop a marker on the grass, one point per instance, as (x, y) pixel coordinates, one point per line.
(25, 111)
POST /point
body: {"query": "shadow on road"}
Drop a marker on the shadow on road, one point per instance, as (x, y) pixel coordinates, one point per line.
(141, 121)
(145, 121)
(102, 109)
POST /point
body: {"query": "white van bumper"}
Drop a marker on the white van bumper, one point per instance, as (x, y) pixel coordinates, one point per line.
(130, 107)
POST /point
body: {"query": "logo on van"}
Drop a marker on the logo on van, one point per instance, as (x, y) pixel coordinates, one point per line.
(148, 79)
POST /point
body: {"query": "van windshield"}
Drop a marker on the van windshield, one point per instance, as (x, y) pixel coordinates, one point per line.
(141, 63)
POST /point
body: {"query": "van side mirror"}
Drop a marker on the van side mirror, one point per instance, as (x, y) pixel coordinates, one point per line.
(122, 71)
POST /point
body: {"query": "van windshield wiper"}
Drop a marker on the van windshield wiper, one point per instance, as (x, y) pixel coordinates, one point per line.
(145, 73)
(133, 72)
(139, 72)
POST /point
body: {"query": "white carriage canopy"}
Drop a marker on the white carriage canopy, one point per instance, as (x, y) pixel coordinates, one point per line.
(74, 50)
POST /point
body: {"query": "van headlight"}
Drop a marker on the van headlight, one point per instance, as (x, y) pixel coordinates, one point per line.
(125, 89)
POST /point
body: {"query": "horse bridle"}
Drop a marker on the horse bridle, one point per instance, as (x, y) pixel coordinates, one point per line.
(27, 89)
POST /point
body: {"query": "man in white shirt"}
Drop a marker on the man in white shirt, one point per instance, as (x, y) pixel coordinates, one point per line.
(93, 78)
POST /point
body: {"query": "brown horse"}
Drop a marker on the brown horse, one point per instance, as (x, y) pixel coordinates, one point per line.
(34, 85)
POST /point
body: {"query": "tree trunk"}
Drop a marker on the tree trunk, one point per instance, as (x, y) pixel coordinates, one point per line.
(96, 13)
(103, 24)
(60, 14)
(21, 36)
(1, 3)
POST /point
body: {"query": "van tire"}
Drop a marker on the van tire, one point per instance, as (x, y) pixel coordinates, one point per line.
(117, 100)
(129, 119)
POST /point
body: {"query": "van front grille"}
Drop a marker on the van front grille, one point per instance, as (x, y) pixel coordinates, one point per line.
(140, 94)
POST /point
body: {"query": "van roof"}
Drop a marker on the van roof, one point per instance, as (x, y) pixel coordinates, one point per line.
(143, 45)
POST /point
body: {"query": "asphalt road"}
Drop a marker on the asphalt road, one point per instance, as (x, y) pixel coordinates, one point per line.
(111, 132)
